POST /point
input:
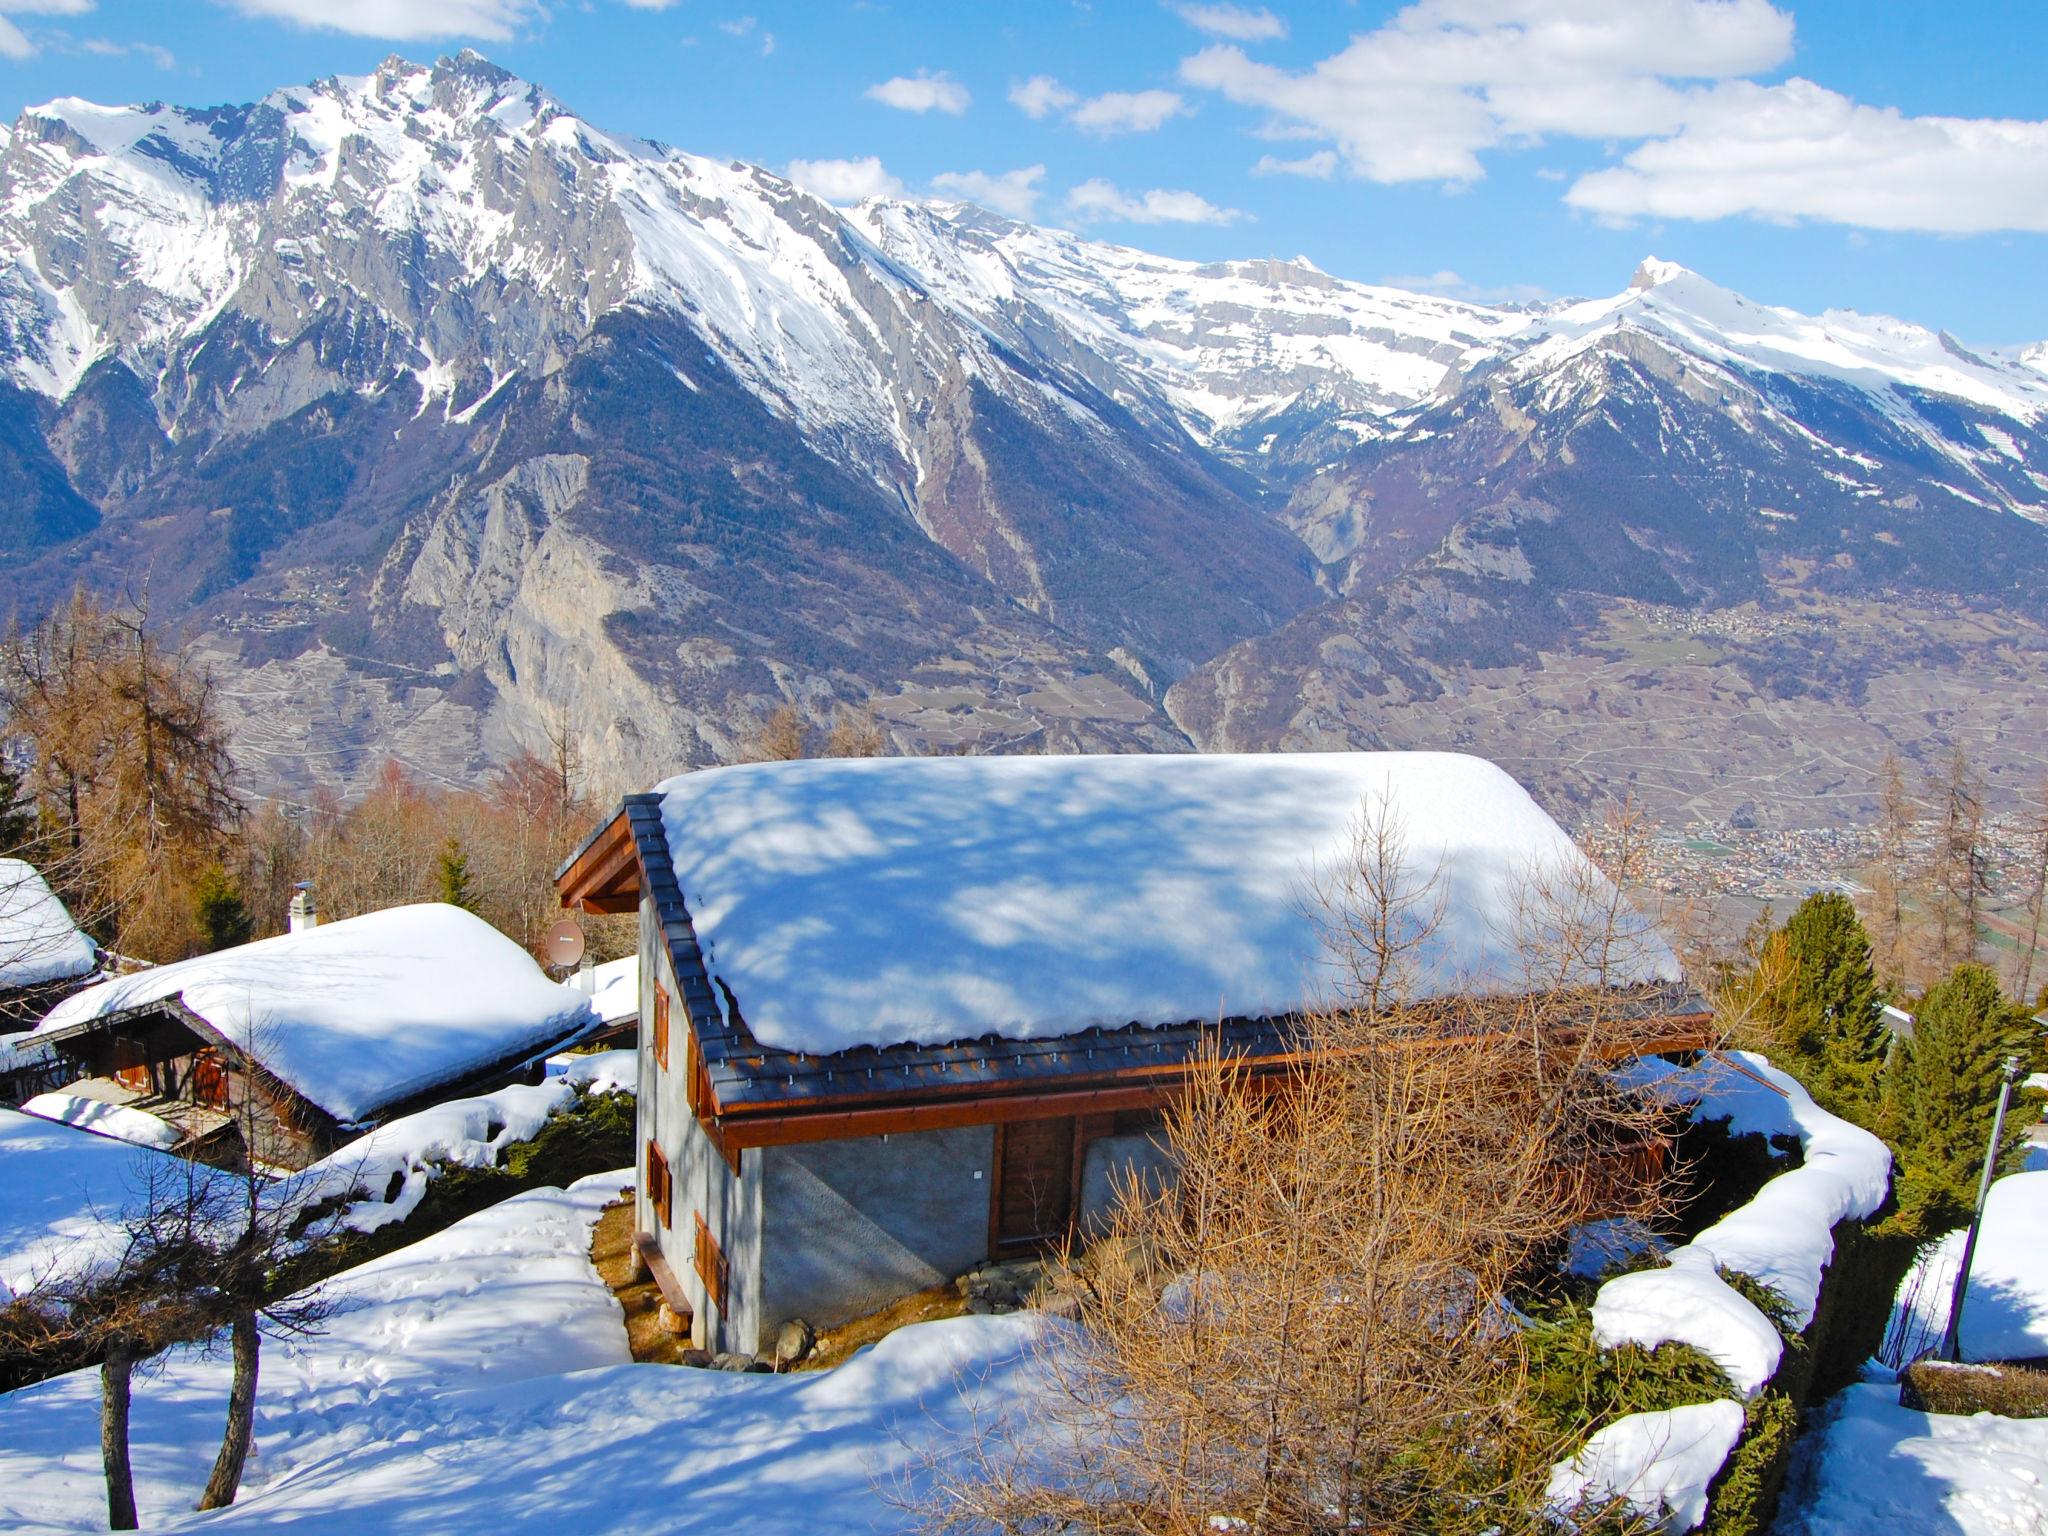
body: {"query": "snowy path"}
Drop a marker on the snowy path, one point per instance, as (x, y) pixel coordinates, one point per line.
(479, 1381)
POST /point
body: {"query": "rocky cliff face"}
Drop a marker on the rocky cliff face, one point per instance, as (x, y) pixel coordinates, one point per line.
(444, 417)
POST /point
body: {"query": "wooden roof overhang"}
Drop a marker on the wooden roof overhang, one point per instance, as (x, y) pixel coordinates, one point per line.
(761, 1095)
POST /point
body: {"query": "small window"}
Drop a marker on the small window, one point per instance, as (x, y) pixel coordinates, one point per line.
(711, 1266)
(660, 1187)
(661, 1027)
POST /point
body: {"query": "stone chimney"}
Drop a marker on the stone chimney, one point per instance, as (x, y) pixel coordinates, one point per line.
(304, 914)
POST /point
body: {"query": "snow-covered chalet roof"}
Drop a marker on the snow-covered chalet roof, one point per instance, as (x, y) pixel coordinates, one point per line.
(883, 901)
(364, 1013)
(38, 940)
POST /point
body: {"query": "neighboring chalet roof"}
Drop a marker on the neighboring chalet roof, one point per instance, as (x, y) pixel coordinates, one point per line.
(38, 940)
(361, 1014)
(842, 929)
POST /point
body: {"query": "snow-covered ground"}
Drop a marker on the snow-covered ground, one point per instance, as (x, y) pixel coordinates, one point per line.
(2005, 1312)
(478, 1381)
(119, 1121)
(57, 1185)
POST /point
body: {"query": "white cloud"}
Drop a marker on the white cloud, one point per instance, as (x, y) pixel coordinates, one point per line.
(405, 20)
(105, 47)
(1013, 192)
(1419, 98)
(1238, 23)
(1099, 199)
(1799, 151)
(845, 181)
(1041, 94)
(650, 5)
(1126, 112)
(1449, 285)
(16, 44)
(738, 26)
(1320, 166)
(922, 93)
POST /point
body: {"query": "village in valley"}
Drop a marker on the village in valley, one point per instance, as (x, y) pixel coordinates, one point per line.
(798, 848)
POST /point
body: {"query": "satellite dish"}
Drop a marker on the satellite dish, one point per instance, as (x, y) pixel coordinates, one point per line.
(563, 943)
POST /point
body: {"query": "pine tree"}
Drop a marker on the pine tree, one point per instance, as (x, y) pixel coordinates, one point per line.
(17, 810)
(457, 889)
(224, 917)
(1948, 1089)
(1827, 1007)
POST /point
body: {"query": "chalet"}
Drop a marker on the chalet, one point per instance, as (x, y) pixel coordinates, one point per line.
(43, 954)
(295, 1042)
(902, 1017)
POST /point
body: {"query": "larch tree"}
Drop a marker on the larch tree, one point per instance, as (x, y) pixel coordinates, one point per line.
(2033, 892)
(1891, 877)
(1959, 867)
(782, 737)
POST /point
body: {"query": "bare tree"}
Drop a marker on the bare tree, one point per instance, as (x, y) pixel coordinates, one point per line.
(781, 739)
(1884, 909)
(854, 734)
(1959, 872)
(2033, 893)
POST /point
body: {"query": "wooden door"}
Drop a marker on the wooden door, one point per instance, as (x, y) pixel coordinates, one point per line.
(1033, 1200)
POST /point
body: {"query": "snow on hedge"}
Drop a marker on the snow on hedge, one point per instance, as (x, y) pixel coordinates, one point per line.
(877, 901)
(1656, 1463)
(383, 1175)
(367, 1012)
(116, 1120)
(58, 1187)
(1783, 1237)
(478, 1381)
(2005, 1312)
(1878, 1467)
(38, 940)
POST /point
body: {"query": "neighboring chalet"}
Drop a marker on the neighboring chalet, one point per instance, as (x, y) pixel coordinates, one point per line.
(902, 1017)
(296, 1042)
(44, 955)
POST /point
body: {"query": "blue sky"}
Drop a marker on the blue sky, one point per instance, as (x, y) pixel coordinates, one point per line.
(1888, 156)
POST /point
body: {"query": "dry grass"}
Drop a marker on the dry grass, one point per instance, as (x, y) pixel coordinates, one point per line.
(837, 1345)
(2010, 1391)
(611, 1252)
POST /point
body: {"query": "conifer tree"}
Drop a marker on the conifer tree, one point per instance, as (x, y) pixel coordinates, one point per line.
(457, 888)
(17, 810)
(1948, 1089)
(224, 916)
(1827, 1005)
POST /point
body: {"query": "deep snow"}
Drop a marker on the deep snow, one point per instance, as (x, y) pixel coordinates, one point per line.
(364, 1013)
(875, 901)
(57, 1186)
(38, 940)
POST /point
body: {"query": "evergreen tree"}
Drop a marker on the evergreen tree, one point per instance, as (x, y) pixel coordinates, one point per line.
(1827, 1005)
(457, 889)
(17, 810)
(1948, 1090)
(224, 916)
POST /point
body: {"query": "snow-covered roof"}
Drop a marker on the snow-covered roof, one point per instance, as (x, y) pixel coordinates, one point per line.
(120, 1121)
(616, 989)
(59, 1187)
(363, 1013)
(38, 940)
(879, 901)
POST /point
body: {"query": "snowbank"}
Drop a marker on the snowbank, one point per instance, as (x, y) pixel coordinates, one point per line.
(364, 1013)
(1879, 1467)
(1654, 1461)
(878, 901)
(115, 1120)
(1783, 1237)
(2005, 1313)
(57, 1186)
(388, 1170)
(478, 1381)
(38, 940)
(616, 996)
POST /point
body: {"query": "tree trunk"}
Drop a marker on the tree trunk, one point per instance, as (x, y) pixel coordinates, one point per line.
(234, 1444)
(116, 1372)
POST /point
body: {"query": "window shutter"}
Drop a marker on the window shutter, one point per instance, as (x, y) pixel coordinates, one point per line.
(661, 1026)
(660, 1187)
(711, 1265)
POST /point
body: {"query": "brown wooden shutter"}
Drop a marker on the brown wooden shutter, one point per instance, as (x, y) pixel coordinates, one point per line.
(661, 1026)
(660, 1186)
(711, 1266)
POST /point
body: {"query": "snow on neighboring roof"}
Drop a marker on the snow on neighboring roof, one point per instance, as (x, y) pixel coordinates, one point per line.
(875, 901)
(56, 1186)
(2005, 1310)
(617, 994)
(1784, 1236)
(137, 1126)
(38, 940)
(363, 1013)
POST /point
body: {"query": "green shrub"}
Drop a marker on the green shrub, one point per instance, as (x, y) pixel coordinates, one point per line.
(1743, 1498)
(2010, 1391)
(1578, 1387)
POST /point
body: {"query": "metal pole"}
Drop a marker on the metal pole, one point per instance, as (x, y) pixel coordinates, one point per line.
(1951, 1340)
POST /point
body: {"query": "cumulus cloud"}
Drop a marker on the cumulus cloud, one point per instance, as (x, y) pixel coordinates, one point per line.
(1013, 192)
(921, 93)
(1800, 151)
(404, 20)
(1238, 23)
(1041, 94)
(1126, 112)
(1099, 199)
(845, 181)
(15, 43)
(1419, 98)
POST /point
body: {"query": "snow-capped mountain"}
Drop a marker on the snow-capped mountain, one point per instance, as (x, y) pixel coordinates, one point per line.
(432, 403)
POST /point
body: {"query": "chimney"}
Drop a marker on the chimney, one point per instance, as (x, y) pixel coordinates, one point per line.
(304, 914)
